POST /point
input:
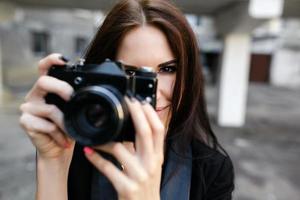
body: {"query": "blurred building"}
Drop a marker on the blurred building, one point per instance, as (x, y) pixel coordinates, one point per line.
(275, 51)
(241, 42)
(34, 33)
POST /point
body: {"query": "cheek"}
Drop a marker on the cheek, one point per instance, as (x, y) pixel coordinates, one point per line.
(164, 116)
(166, 86)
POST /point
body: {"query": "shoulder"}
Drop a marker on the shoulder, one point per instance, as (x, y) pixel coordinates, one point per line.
(213, 173)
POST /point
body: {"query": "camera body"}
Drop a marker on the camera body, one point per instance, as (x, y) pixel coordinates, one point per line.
(97, 112)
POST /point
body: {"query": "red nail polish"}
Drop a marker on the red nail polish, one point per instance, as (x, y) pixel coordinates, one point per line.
(88, 150)
(67, 145)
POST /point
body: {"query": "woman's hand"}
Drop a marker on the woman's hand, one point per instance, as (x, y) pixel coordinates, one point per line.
(42, 122)
(141, 176)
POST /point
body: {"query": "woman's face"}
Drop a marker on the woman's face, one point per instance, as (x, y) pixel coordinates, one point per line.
(148, 46)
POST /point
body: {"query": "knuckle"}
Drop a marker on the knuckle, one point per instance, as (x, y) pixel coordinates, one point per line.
(50, 109)
(22, 121)
(64, 88)
(53, 129)
(31, 134)
(152, 169)
(131, 190)
(143, 178)
(105, 166)
(116, 148)
(41, 81)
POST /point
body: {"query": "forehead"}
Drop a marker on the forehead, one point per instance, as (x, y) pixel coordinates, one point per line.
(145, 46)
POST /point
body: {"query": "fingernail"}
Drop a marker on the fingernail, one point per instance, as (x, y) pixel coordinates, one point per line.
(67, 145)
(129, 94)
(132, 99)
(88, 150)
(63, 58)
(141, 99)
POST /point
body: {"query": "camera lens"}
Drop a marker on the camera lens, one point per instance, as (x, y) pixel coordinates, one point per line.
(96, 115)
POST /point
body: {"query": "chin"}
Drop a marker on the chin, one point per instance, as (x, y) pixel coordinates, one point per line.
(163, 115)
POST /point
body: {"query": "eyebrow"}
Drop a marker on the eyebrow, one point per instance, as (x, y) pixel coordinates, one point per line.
(174, 61)
(132, 67)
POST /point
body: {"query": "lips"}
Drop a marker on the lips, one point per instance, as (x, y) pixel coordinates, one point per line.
(158, 109)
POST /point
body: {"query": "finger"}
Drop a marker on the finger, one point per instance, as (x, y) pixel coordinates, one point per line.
(48, 84)
(118, 179)
(130, 147)
(47, 62)
(143, 137)
(130, 163)
(35, 124)
(45, 111)
(158, 129)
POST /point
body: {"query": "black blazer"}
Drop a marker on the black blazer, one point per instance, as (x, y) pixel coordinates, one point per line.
(212, 175)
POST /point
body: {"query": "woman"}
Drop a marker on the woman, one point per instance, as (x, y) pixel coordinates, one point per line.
(176, 154)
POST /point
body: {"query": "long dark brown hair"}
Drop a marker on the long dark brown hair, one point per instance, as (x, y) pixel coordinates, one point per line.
(189, 117)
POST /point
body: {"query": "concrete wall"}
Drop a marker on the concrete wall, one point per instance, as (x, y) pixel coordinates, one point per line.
(285, 69)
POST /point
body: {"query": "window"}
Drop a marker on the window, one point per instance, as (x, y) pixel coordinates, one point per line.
(80, 45)
(40, 43)
(199, 21)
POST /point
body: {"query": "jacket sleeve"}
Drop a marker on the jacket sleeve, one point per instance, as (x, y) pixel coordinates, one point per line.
(221, 185)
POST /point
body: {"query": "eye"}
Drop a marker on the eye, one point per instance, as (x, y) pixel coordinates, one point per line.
(167, 69)
(130, 72)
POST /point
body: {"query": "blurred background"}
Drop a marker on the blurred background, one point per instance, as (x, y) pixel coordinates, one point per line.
(250, 52)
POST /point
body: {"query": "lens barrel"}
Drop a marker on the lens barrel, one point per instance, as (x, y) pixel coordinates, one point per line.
(95, 115)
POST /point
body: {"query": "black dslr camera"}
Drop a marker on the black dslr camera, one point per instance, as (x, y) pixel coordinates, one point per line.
(97, 112)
